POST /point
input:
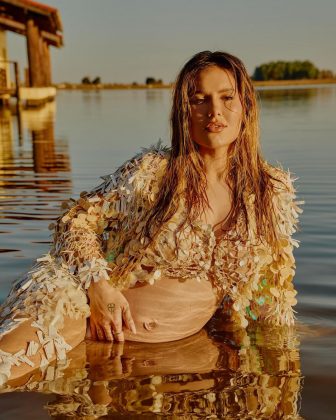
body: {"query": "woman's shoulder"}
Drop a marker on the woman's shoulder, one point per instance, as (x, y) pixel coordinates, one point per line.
(283, 180)
(137, 170)
(147, 156)
(151, 160)
(134, 183)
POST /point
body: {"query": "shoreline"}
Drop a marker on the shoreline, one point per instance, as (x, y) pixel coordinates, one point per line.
(117, 86)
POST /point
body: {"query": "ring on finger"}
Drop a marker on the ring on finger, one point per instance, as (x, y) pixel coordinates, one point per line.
(111, 307)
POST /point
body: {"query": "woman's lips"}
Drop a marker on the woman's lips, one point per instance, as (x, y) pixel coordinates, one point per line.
(215, 128)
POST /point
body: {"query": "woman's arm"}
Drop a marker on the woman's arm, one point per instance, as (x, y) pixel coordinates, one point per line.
(79, 245)
(78, 236)
(80, 239)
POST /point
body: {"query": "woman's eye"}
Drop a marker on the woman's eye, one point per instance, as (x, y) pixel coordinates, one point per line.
(197, 101)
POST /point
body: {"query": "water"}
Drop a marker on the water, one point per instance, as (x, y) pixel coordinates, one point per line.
(63, 149)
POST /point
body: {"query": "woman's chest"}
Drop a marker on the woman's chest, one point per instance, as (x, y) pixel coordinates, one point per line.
(187, 247)
(220, 203)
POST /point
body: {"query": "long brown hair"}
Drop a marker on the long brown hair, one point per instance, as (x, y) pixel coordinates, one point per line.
(185, 172)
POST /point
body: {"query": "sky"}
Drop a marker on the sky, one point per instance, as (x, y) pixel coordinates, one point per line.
(125, 41)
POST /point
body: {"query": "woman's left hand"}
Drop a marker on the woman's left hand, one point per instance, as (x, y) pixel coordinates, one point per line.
(109, 308)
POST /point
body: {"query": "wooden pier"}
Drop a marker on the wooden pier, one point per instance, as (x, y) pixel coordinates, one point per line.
(42, 27)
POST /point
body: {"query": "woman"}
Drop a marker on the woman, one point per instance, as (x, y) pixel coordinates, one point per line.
(151, 253)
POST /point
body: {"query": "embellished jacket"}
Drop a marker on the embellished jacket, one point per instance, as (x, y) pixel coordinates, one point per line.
(100, 236)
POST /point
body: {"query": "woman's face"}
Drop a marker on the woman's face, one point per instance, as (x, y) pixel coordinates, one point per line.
(216, 102)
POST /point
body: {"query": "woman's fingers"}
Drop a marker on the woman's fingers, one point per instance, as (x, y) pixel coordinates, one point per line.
(100, 333)
(117, 326)
(108, 332)
(93, 330)
(112, 329)
(127, 316)
(119, 336)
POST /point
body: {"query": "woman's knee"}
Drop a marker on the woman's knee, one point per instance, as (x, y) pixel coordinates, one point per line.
(73, 331)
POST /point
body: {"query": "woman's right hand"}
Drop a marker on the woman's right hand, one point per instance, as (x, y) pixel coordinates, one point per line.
(109, 308)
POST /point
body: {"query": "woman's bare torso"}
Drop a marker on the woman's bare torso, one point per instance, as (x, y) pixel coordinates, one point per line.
(170, 309)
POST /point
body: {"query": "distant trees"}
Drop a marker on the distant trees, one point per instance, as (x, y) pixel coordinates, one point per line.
(86, 81)
(290, 70)
(153, 81)
(97, 81)
(326, 74)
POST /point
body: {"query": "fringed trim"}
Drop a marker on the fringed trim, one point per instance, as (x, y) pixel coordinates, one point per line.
(286, 205)
(45, 294)
(51, 342)
(7, 360)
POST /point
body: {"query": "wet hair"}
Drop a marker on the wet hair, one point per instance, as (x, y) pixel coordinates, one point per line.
(246, 170)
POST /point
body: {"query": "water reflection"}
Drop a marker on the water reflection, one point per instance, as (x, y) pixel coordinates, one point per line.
(91, 95)
(274, 97)
(39, 123)
(223, 374)
(154, 95)
(6, 138)
(35, 175)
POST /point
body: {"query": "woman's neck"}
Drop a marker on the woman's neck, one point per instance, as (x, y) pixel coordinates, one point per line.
(215, 162)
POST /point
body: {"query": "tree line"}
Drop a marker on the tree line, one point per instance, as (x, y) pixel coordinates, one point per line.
(87, 81)
(274, 70)
(290, 70)
(97, 80)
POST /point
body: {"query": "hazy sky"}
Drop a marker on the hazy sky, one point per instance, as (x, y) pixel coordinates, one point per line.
(128, 40)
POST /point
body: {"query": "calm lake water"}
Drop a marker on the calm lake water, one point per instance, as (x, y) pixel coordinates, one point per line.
(56, 152)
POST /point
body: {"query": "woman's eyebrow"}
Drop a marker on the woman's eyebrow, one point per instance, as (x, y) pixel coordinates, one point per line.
(226, 90)
(198, 92)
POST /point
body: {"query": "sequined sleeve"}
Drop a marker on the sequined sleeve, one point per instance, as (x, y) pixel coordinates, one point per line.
(78, 234)
(97, 221)
(275, 296)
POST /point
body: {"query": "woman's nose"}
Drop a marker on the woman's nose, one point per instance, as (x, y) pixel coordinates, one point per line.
(214, 109)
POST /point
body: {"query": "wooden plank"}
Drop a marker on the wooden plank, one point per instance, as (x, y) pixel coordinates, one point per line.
(20, 28)
(32, 6)
(52, 39)
(46, 64)
(9, 91)
(33, 49)
(12, 25)
(18, 11)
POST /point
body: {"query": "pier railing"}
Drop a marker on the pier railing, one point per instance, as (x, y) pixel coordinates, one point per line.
(12, 91)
